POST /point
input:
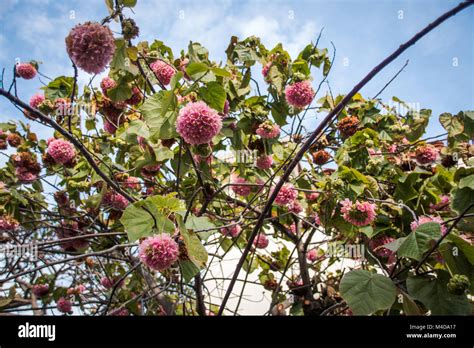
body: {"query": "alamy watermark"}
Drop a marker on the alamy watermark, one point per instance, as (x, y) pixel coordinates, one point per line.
(346, 251)
(15, 251)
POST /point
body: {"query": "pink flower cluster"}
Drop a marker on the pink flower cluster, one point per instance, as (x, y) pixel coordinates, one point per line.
(426, 154)
(286, 195)
(358, 213)
(261, 241)
(69, 230)
(313, 255)
(25, 176)
(443, 204)
(159, 252)
(232, 231)
(427, 218)
(197, 123)
(90, 46)
(36, 100)
(163, 71)
(312, 196)
(264, 162)
(106, 84)
(377, 243)
(64, 305)
(61, 151)
(295, 207)
(133, 183)
(115, 201)
(299, 94)
(40, 290)
(8, 223)
(241, 190)
(25, 70)
(268, 130)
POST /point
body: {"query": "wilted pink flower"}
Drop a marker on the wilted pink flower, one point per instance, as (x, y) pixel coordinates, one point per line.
(8, 223)
(150, 170)
(264, 162)
(121, 312)
(133, 183)
(427, 218)
(312, 196)
(25, 70)
(242, 190)
(115, 201)
(201, 159)
(25, 176)
(316, 218)
(392, 148)
(69, 229)
(377, 243)
(110, 127)
(64, 305)
(36, 100)
(107, 83)
(197, 123)
(90, 46)
(163, 71)
(62, 151)
(261, 241)
(358, 213)
(293, 228)
(232, 231)
(442, 205)
(40, 290)
(286, 195)
(159, 252)
(313, 255)
(295, 207)
(136, 98)
(426, 154)
(266, 69)
(268, 130)
(299, 94)
(108, 283)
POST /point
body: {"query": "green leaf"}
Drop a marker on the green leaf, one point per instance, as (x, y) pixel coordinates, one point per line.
(120, 60)
(160, 113)
(120, 93)
(198, 223)
(366, 292)
(466, 248)
(188, 270)
(136, 128)
(418, 241)
(433, 293)
(196, 251)
(467, 181)
(129, 3)
(138, 222)
(462, 199)
(196, 68)
(221, 72)
(214, 95)
(60, 87)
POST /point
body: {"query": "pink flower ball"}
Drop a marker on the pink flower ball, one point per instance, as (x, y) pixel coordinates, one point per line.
(377, 243)
(295, 207)
(64, 305)
(313, 255)
(358, 213)
(25, 70)
(91, 46)
(427, 218)
(261, 241)
(8, 223)
(136, 98)
(316, 218)
(107, 83)
(299, 94)
(286, 195)
(107, 282)
(159, 252)
(133, 183)
(197, 123)
(36, 100)
(293, 228)
(232, 231)
(115, 201)
(163, 71)
(40, 290)
(25, 176)
(62, 151)
(426, 154)
(264, 162)
(268, 130)
(240, 190)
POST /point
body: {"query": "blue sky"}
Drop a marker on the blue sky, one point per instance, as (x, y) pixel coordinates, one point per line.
(363, 31)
